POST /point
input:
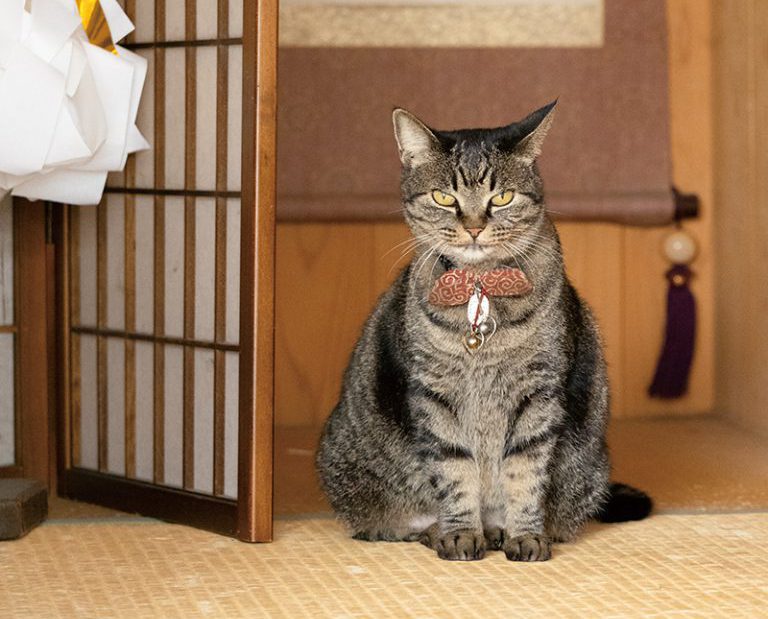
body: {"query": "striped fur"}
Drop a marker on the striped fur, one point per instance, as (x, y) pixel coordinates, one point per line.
(504, 448)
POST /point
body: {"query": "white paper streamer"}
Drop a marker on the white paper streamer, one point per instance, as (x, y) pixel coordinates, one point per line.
(67, 108)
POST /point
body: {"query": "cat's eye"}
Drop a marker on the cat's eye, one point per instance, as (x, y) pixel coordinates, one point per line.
(503, 198)
(443, 199)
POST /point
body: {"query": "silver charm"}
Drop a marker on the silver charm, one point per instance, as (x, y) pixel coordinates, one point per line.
(488, 328)
(478, 307)
(481, 325)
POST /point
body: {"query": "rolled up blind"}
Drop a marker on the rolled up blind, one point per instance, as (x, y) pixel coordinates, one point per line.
(606, 158)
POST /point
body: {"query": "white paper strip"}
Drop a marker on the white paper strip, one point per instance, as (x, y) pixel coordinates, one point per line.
(88, 261)
(145, 21)
(233, 272)
(207, 20)
(235, 120)
(119, 24)
(145, 431)
(89, 424)
(174, 416)
(175, 19)
(145, 121)
(145, 264)
(116, 406)
(203, 421)
(175, 115)
(205, 268)
(174, 267)
(235, 18)
(115, 250)
(231, 411)
(7, 401)
(205, 125)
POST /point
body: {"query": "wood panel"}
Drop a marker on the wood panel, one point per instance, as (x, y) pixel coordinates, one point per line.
(257, 272)
(594, 258)
(741, 115)
(34, 339)
(325, 289)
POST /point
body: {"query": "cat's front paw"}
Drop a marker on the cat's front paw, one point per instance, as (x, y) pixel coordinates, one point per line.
(461, 545)
(527, 548)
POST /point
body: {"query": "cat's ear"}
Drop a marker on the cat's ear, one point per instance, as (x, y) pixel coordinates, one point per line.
(415, 141)
(534, 129)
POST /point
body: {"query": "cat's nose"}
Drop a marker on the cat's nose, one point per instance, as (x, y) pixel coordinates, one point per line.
(474, 232)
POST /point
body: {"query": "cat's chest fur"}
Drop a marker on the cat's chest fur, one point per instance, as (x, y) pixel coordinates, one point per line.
(485, 388)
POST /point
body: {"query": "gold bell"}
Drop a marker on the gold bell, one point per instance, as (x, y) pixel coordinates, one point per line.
(473, 341)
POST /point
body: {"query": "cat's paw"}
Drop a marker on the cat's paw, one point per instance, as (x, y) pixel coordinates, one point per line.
(461, 545)
(494, 538)
(527, 548)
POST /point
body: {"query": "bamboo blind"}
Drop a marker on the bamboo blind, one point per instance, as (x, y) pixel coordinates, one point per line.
(8, 328)
(155, 268)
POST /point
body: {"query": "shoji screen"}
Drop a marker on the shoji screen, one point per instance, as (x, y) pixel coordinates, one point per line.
(155, 271)
(7, 337)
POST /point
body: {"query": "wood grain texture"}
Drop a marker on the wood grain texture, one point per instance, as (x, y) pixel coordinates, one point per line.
(130, 320)
(594, 259)
(190, 172)
(741, 134)
(75, 403)
(101, 342)
(257, 271)
(220, 289)
(158, 388)
(32, 369)
(325, 289)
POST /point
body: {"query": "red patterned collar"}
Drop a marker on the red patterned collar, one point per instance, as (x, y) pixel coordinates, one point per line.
(456, 286)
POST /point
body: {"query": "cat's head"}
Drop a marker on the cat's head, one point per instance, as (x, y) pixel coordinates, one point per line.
(474, 194)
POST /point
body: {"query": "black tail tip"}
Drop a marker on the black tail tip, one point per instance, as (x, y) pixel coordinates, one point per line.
(625, 503)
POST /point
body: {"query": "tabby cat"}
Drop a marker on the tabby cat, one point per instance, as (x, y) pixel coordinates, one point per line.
(474, 408)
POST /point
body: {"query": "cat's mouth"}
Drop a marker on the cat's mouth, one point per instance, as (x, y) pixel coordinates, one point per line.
(475, 252)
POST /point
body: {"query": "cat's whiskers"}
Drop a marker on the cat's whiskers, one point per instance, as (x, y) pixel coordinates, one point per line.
(424, 258)
(411, 242)
(406, 247)
(528, 266)
(538, 245)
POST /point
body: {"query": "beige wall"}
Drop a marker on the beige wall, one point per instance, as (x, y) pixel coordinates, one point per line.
(618, 269)
(741, 190)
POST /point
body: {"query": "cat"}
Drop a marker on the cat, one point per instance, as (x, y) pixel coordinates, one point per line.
(473, 411)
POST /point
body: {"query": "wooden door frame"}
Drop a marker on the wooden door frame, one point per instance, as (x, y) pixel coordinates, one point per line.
(257, 268)
(34, 427)
(248, 518)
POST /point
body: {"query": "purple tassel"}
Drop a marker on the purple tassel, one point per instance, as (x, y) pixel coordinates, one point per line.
(671, 378)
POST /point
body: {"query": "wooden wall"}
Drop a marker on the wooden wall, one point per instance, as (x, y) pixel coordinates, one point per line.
(329, 275)
(741, 139)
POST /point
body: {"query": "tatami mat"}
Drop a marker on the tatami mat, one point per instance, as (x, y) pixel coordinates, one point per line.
(667, 566)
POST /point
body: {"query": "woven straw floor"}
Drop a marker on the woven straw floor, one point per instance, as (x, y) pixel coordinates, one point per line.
(667, 566)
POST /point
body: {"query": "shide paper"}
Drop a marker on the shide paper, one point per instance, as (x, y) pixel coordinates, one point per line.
(67, 106)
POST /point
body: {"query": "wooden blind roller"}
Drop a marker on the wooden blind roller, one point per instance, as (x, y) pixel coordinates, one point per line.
(606, 158)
